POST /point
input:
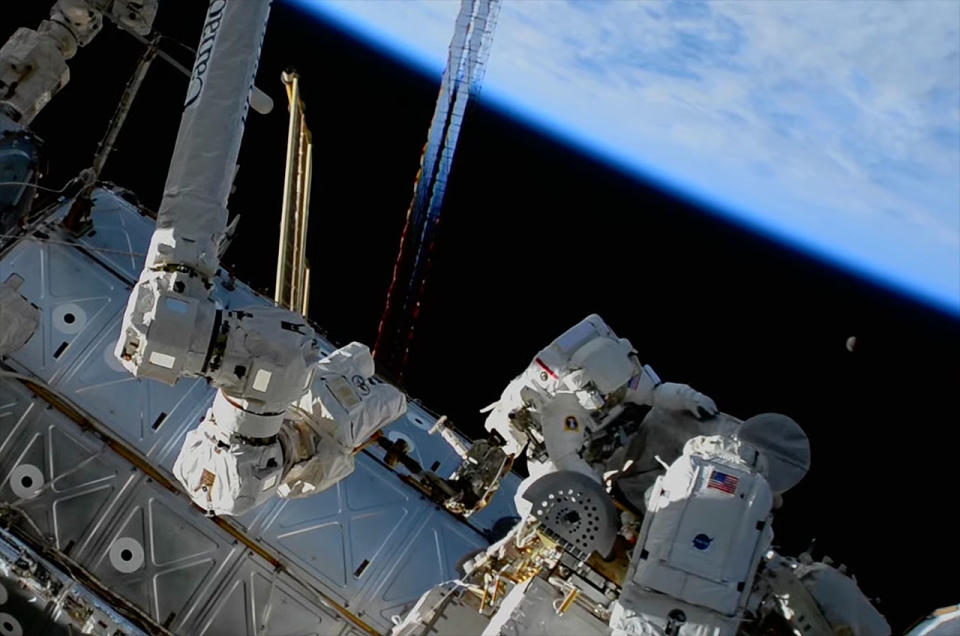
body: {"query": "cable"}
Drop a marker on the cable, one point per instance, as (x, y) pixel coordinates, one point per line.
(71, 244)
(32, 214)
(22, 376)
(33, 185)
(183, 45)
(160, 53)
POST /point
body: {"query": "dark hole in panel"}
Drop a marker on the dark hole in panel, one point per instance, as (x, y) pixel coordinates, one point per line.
(60, 349)
(157, 422)
(363, 566)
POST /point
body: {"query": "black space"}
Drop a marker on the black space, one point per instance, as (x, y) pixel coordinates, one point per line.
(535, 236)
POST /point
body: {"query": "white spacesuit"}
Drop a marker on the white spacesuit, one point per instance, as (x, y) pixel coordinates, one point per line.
(575, 387)
(696, 567)
(705, 531)
(702, 564)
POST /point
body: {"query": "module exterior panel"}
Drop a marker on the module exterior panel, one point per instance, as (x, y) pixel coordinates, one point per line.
(255, 601)
(371, 544)
(164, 556)
(66, 481)
(147, 414)
(76, 296)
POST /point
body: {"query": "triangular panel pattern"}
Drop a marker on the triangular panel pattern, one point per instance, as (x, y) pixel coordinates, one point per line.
(72, 464)
(232, 615)
(323, 549)
(80, 478)
(174, 588)
(370, 510)
(134, 586)
(312, 510)
(248, 592)
(122, 235)
(419, 571)
(368, 487)
(76, 296)
(288, 616)
(431, 558)
(173, 538)
(370, 535)
(171, 576)
(74, 514)
(16, 402)
(146, 414)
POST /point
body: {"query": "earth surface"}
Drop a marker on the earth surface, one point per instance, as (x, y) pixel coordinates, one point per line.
(831, 126)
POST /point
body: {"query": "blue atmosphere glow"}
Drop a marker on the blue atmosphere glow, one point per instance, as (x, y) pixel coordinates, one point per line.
(830, 126)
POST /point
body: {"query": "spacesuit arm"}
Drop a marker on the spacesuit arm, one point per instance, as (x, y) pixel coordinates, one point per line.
(647, 389)
(683, 397)
(502, 417)
(563, 421)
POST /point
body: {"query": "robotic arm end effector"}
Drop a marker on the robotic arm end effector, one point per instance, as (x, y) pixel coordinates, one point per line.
(167, 331)
(236, 459)
(33, 63)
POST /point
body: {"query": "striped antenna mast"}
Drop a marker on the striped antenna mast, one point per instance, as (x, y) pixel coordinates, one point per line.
(469, 50)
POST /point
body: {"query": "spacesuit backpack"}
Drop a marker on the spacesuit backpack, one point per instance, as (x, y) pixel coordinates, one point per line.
(707, 526)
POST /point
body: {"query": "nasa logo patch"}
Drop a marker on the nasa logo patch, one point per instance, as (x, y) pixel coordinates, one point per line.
(702, 541)
(571, 423)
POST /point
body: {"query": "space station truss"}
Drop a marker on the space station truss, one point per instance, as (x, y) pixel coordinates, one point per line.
(86, 452)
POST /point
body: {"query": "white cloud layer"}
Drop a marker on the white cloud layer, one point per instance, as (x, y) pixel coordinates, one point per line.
(832, 124)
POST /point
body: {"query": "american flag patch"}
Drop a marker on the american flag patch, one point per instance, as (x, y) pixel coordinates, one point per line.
(723, 482)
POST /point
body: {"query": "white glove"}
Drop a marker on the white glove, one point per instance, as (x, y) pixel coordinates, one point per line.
(682, 397)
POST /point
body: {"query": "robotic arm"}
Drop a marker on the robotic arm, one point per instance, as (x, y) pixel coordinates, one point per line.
(33, 63)
(282, 420)
(225, 470)
(260, 358)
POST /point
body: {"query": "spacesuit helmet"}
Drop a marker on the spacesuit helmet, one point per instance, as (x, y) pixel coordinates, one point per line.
(598, 369)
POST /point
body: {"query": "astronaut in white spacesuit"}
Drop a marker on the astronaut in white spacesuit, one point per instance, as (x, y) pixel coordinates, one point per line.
(573, 389)
(705, 485)
(703, 558)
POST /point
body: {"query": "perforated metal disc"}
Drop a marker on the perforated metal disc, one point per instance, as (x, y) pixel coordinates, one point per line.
(575, 509)
(783, 443)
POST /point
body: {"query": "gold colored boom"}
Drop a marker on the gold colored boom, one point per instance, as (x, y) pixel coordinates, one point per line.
(292, 289)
